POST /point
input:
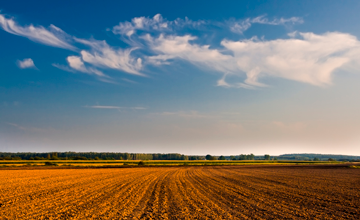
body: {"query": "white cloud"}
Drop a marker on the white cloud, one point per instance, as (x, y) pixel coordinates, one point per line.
(310, 59)
(304, 57)
(53, 36)
(157, 23)
(293, 34)
(101, 54)
(172, 47)
(281, 21)
(160, 24)
(104, 56)
(76, 63)
(242, 25)
(114, 107)
(26, 63)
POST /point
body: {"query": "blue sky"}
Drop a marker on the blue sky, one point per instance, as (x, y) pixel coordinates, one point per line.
(192, 77)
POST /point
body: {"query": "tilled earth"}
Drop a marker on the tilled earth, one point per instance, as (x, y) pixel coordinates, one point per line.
(199, 192)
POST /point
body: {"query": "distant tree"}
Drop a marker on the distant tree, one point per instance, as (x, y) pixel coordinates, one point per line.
(48, 156)
(242, 157)
(78, 158)
(316, 159)
(208, 157)
(97, 158)
(222, 157)
(54, 156)
(232, 157)
(275, 158)
(267, 157)
(250, 157)
(331, 159)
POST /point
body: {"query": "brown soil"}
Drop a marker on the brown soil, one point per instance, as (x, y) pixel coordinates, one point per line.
(198, 192)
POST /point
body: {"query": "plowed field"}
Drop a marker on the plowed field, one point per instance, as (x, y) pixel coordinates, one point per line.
(199, 192)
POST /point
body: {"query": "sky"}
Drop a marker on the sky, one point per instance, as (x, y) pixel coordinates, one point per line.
(189, 77)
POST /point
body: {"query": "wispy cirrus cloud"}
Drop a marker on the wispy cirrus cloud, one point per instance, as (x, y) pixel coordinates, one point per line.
(304, 57)
(181, 47)
(52, 36)
(156, 23)
(240, 26)
(104, 56)
(310, 58)
(77, 63)
(26, 63)
(114, 107)
(100, 55)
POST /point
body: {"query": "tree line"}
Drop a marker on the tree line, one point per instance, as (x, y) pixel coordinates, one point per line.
(172, 156)
(95, 156)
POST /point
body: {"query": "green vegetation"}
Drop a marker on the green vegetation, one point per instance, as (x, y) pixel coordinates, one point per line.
(246, 157)
(94, 156)
(82, 157)
(48, 163)
(209, 157)
(321, 157)
(222, 158)
(134, 163)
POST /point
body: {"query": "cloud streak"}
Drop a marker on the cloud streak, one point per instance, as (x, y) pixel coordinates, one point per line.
(114, 107)
(241, 26)
(100, 55)
(104, 56)
(52, 36)
(77, 63)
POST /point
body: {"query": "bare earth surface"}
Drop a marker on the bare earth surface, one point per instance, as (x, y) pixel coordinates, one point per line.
(202, 192)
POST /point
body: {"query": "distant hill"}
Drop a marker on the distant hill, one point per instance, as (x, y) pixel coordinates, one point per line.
(311, 156)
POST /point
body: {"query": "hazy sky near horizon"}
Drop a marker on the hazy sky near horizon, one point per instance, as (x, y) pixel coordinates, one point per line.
(191, 77)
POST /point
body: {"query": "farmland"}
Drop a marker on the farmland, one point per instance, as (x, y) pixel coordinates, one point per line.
(121, 163)
(182, 192)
